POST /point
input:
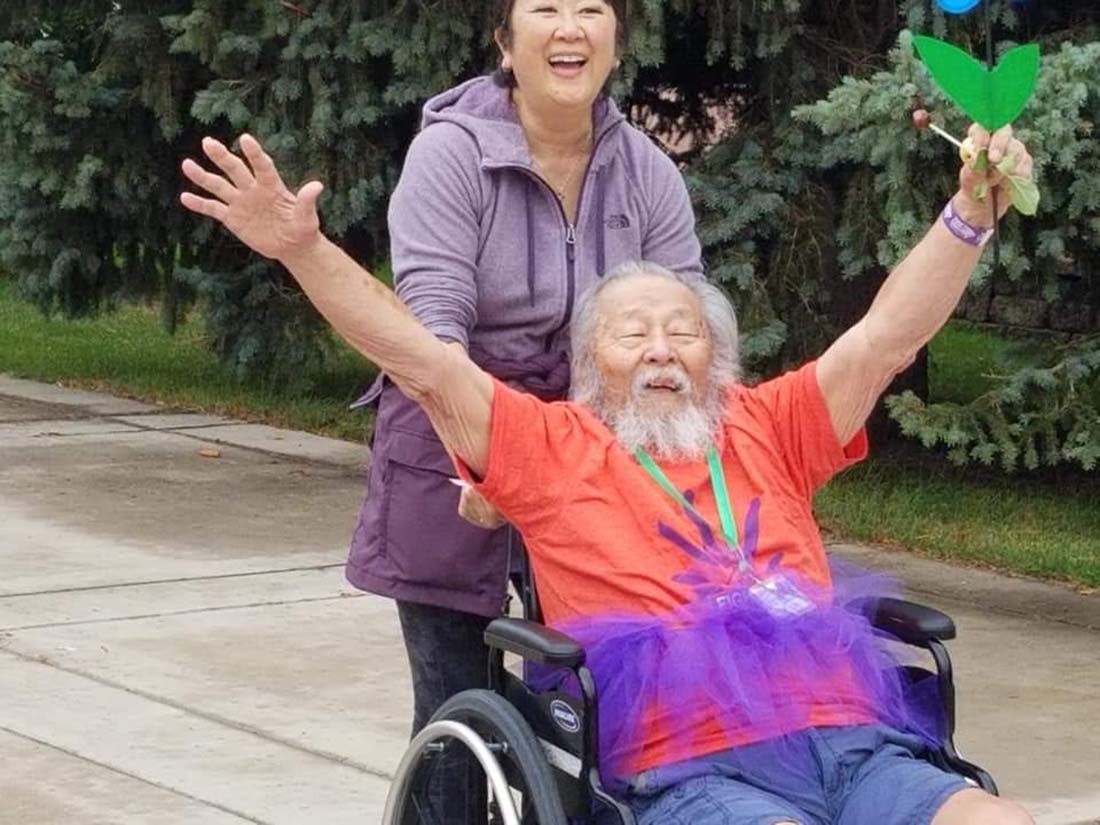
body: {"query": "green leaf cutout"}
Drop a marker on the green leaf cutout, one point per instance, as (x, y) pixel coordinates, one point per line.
(991, 98)
(1025, 192)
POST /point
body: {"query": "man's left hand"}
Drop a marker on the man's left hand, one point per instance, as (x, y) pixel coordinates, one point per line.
(974, 200)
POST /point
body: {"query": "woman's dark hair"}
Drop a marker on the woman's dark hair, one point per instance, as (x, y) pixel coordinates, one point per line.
(621, 8)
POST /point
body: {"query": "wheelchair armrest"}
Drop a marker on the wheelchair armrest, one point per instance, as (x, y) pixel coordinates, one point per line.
(534, 642)
(913, 623)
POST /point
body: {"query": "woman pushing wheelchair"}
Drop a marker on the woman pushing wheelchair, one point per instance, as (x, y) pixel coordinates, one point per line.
(518, 192)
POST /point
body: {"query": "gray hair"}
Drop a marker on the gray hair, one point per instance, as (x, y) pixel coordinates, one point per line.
(718, 315)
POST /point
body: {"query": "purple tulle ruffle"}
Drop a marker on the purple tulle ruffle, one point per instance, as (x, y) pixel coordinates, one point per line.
(759, 660)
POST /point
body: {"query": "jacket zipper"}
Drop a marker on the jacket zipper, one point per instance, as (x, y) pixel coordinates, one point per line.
(570, 275)
(571, 246)
(570, 234)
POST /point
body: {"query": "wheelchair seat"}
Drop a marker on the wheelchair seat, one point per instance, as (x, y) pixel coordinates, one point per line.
(558, 728)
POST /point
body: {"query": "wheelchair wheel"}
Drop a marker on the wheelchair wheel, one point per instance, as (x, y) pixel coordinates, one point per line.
(512, 745)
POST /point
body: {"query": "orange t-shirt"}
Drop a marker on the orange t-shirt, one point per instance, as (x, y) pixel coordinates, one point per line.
(598, 528)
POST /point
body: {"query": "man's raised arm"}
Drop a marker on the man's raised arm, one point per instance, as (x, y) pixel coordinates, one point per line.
(252, 202)
(918, 297)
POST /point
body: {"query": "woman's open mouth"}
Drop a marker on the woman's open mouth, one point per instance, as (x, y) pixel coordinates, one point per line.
(568, 64)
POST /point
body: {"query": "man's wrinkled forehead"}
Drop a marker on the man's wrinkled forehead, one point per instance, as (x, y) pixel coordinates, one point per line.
(648, 297)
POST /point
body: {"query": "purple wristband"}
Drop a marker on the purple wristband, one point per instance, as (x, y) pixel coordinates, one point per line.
(973, 235)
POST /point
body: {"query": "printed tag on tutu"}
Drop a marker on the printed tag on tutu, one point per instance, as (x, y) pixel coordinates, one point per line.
(780, 597)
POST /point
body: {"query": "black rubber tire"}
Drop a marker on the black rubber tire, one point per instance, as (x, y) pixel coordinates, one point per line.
(497, 721)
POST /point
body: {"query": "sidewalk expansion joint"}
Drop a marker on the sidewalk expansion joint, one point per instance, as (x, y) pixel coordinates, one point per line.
(180, 580)
(129, 775)
(189, 426)
(129, 428)
(317, 753)
(249, 448)
(187, 431)
(355, 470)
(39, 420)
(97, 433)
(169, 613)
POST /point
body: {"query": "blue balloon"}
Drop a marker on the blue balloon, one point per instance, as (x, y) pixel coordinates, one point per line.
(957, 6)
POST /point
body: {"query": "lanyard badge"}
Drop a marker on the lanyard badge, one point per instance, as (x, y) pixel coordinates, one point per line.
(776, 593)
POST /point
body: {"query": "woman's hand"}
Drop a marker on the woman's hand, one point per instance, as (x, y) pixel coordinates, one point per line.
(254, 203)
(473, 507)
(979, 176)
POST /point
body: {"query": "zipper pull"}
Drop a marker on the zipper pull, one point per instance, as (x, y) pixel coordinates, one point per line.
(570, 241)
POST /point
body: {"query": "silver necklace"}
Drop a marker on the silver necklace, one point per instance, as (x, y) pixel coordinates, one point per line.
(561, 191)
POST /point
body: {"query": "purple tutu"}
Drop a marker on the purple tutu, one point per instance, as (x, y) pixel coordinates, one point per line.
(748, 662)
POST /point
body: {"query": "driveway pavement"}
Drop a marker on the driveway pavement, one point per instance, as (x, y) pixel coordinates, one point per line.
(178, 643)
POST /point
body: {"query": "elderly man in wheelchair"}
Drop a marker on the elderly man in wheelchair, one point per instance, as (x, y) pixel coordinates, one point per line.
(716, 669)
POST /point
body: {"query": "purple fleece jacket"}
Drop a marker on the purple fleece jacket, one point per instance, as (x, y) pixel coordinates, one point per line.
(483, 254)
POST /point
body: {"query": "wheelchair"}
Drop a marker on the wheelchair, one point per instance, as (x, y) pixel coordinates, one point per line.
(539, 750)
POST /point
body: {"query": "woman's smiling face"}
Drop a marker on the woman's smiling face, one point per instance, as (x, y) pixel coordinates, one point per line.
(560, 51)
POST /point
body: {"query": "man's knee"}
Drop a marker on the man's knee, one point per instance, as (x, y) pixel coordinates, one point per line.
(976, 807)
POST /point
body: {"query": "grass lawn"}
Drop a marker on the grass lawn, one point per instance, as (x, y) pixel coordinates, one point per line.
(128, 353)
(1047, 526)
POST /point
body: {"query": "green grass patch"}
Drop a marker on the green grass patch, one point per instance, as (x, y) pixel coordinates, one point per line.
(128, 353)
(965, 361)
(1045, 526)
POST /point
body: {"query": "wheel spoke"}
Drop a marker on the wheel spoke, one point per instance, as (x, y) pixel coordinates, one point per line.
(521, 784)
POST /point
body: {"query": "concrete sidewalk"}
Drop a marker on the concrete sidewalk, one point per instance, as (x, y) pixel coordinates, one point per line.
(178, 644)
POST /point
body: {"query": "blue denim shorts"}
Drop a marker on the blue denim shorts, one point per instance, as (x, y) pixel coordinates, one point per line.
(819, 776)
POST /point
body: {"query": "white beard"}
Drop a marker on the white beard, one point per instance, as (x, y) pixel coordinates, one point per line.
(682, 433)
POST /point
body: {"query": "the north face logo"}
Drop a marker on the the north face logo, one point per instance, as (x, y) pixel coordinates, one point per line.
(618, 222)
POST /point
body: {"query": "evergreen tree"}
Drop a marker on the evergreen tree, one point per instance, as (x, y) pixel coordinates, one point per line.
(810, 199)
(100, 101)
(88, 113)
(1047, 412)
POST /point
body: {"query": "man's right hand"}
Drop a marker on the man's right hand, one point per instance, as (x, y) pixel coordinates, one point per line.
(254, 203)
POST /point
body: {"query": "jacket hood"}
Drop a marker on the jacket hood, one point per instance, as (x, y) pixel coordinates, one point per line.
(485, 110)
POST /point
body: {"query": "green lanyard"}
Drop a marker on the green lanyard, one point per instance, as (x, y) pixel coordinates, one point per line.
(717, 483)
